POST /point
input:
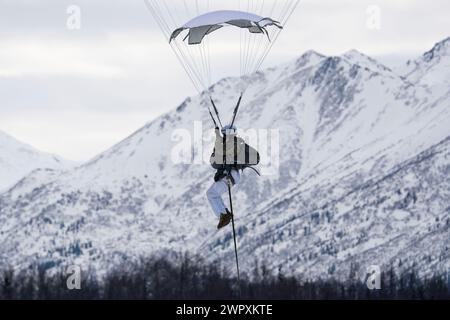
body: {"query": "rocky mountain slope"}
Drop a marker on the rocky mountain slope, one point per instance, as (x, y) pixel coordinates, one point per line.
(18, 159)
(361, 178)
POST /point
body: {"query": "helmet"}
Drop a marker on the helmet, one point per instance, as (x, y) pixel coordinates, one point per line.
(229, 130)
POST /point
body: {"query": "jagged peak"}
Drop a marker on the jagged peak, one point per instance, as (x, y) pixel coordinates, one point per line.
(415, 69)
(308, 56)
(363, 60)
(356, 53)
(439, 49)
(311, 53)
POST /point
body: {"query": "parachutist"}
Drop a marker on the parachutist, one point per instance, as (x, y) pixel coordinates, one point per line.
(230, 155)
(218, 161)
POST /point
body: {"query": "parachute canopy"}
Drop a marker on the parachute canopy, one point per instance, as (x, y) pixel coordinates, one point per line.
(206, 23)
(244, 33)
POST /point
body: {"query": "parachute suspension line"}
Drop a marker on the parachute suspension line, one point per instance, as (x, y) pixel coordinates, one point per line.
(285, 20)
(254, 45)
(191, 62)
(240, 45)
(174, 22)
(254, 39)
(208, 48)
(267, 44)
(186, 7)
(153, 7)
(205, 53)
(250, 37)
(185, 57)
(204, 75)
(250, 52)
(193, 76)
(206, 59)
(201, 52)
(260, 40)
(264, 45)
(197, 70)
(197, 63)
(261, 8)
(244, 53)
(253, 42)
(247, 39)
(234, 237)
(190, 14)
(240, 51)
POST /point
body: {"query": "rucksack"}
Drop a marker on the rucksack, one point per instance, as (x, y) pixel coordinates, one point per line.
(251, 157)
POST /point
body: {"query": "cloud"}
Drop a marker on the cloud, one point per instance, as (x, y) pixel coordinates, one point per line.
(76, 136)
(77, 92)
(44, 58)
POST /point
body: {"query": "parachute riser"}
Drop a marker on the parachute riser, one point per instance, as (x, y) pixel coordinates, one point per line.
(235, 112)
(217, 113)
(236, 109)
(212, 118)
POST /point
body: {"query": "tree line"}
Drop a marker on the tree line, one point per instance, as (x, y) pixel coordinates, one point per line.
(188, 277)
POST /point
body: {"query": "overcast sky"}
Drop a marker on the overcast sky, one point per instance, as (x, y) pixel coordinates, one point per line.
(77, 92)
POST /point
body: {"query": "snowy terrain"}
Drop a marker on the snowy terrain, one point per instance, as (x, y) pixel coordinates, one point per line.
(18, 159)
(363, 179)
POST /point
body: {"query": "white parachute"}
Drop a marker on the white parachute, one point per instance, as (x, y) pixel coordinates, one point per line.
(244, 33)
(197, 32)
(209, 22)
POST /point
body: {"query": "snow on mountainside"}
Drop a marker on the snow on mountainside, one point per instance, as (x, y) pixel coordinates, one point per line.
(18, 159)
(362, 179)
(431, 69)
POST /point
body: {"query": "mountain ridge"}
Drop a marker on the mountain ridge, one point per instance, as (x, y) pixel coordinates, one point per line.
(17, 159)
(340, 123)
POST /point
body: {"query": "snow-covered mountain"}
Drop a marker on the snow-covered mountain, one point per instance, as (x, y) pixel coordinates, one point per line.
(362, 179)
(18, 159)
(431, 69)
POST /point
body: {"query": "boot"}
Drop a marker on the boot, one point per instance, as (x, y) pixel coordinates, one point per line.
(224, 220)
